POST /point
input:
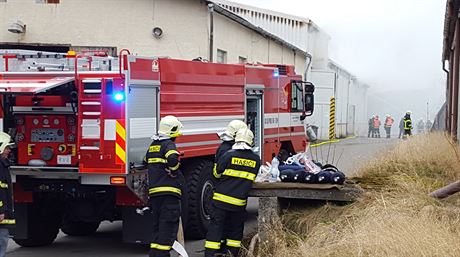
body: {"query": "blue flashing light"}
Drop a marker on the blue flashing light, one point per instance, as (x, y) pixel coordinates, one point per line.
(276, 73)
(119, 97)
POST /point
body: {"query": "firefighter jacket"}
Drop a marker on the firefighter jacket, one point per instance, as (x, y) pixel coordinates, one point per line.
(223, 148)
(376, 123)
(238, 170)
(163, 168)
(6, 194)
(389, 122)
(407, 123)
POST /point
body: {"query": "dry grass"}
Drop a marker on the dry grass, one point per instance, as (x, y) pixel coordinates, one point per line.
(395, 217)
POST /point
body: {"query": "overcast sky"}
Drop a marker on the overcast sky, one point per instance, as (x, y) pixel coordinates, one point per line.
(394, 45)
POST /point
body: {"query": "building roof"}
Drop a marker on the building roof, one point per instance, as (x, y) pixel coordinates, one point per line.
(274, 13)
(341, 68)
(452, 8)
(238, 19)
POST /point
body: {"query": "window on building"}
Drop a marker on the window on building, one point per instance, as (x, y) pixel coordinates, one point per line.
(242, 59)
(221, 56)
(296, 96)
(47, 1)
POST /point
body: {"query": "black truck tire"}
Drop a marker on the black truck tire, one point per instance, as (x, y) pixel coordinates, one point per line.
(79, 228)
(37, 224)
(40, 233)
(199, 192)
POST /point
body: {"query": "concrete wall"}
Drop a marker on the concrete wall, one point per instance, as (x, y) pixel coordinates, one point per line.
(129, 24)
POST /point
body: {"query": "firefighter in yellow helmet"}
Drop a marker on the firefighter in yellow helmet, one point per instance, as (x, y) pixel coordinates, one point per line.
(237, 169)
(6, 192)
(165, 186)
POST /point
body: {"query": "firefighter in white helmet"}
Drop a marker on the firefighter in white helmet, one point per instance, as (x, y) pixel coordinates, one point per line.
(228, 140)
(165, 186)
(6, 192)
(238, 169)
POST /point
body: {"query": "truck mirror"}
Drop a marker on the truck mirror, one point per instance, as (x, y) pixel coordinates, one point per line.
(309, 104)
(309, 99)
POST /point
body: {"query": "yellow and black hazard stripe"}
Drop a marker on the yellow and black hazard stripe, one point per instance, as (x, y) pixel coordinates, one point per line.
(332, 119)
(120, 142)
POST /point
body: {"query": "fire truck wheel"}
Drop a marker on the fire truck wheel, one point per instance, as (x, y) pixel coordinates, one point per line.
(40, 234)
(79, 228)
(200, 187)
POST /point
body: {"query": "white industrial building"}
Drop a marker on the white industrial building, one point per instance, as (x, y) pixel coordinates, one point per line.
(220, 31)
(184, 29)
(330, 79)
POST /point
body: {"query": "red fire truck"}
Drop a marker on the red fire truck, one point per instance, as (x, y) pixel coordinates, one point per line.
(82, 126)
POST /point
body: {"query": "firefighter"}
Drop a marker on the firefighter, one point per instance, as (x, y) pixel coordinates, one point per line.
(420, 126)
(238, 169)
(228, 140)
(388, 123)
(6, 192)
(371, 127)
(401, 127)
(407, 124)
(165, 186)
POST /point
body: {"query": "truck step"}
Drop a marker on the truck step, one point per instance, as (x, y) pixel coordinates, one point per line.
(90, 103)
(92, 81)
(92, 91)
(90, 148)
(92, 113)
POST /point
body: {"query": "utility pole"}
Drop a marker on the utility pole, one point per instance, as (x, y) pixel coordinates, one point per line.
(427, 111)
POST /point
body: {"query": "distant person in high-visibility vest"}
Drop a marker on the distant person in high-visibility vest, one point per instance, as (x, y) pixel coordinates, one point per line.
(6, 193)
(388, 123)
(407, 124)
(165, 186)
(238, 169)
(377, 124)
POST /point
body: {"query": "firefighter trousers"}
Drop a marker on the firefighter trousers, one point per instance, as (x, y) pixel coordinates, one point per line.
(166, 213)
(232, 222)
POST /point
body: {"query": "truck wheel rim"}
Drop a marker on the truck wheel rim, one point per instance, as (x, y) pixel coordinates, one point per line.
(206, 196)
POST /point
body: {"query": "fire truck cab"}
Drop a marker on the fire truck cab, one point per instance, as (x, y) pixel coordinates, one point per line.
(82, 125)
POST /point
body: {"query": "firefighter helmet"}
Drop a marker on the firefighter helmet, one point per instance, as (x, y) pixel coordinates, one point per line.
(244, 135)
(170, 126)
(5, 140)
(233, 127)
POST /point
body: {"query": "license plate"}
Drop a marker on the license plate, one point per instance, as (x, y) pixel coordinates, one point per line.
(64, 159)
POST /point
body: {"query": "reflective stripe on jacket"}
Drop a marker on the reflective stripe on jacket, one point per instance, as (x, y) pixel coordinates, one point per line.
(237, 170)
(407, 123)
(6, 194)
(162, 160)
